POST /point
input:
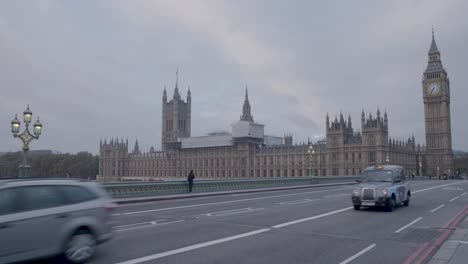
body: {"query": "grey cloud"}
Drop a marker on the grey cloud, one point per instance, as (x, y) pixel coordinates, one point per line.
(91, 70)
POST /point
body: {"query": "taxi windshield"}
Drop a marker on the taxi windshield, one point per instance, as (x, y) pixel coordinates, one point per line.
(377, 176)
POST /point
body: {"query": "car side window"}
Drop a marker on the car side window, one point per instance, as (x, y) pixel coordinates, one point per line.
(40, 197)
(8, 201)
(76, 194)
(403, 175)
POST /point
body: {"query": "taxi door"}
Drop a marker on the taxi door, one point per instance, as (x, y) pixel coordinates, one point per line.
(402, 186)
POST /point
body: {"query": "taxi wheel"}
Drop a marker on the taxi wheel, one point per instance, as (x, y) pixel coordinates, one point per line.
(357, 207)
(406, 203)
(391, 204)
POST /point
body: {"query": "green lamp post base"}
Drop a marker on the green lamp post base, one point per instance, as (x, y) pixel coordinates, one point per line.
(24, 170)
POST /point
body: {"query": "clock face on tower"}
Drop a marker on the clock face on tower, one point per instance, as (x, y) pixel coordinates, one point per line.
(433, 88)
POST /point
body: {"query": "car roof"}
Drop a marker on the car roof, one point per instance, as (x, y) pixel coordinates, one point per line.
(39, 181)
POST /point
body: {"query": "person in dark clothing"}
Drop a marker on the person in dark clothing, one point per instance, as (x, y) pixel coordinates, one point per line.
(190, 178)
(412, 176)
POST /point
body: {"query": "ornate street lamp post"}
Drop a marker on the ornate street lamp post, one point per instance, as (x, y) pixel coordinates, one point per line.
(311, 152)
(26, 137)
(387, 159)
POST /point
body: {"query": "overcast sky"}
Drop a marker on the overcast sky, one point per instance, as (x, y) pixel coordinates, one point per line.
(97, 69)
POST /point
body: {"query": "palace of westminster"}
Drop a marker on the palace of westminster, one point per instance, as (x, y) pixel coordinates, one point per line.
(247, 152)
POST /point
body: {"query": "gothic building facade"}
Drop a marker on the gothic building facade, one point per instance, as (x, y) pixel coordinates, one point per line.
(247, 151)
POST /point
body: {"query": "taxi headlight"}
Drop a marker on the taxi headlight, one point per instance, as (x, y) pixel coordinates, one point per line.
(381, 192)
(356, 192)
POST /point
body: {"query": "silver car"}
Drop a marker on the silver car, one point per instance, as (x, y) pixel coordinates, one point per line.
(42, 218)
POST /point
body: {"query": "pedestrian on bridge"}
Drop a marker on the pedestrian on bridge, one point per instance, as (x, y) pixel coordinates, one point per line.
(190, 178)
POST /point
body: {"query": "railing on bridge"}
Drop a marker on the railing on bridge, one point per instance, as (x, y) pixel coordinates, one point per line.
(120, 190)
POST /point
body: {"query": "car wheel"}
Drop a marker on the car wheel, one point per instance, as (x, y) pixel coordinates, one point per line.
(357, 207)
(391, 204)
(80, 247)
(406, 203)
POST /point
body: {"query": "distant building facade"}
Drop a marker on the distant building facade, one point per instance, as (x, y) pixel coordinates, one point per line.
(247, 152)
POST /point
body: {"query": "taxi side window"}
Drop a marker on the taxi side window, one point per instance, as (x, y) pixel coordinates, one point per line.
(403, 175)
(397, 177)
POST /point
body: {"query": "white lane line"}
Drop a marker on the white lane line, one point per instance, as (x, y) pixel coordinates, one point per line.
(311, 218)
(358, 254)
(437, 208)
(453, 199)
(193, 247)
(298, 201)
(235, 211)
(435, 187)
(337, 195)
(226, 202)
(146, 226)
(408, 225)
(240, 212)
(140, 223)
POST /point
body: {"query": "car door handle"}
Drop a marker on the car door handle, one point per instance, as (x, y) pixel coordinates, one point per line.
(61, 216)
(5, 226)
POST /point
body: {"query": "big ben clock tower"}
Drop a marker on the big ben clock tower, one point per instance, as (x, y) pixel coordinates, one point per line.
(436, 94)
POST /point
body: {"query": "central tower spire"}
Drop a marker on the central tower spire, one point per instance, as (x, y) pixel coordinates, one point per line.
(433, 48)
(246, 115)
(176, 89)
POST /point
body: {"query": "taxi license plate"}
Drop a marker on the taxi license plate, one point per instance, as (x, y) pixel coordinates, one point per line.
(368, 203)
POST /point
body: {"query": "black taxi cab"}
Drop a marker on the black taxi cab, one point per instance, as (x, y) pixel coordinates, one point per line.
(382, 185)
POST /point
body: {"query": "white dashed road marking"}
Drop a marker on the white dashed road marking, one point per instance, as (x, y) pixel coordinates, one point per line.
(151, 224)
(298, 201)
(312, 218)
(193, 247)
(437, 208)
(235, 211)
(408, 225)
(358, 254)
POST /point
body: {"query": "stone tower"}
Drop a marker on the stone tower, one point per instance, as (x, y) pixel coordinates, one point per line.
(375, 138)
(436, 95)
(339, 133)
(113, 158)
(176, 118)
